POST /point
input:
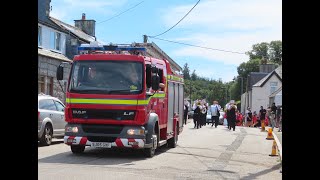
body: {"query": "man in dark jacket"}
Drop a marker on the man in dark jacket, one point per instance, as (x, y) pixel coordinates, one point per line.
(185, 113)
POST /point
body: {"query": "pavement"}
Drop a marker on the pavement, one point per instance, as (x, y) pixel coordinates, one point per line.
(275, 131)
(206, 153)
(278, 134)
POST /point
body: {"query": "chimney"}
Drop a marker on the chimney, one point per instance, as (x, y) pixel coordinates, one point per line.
(145, 38)
(87, 26)
(43, 9)
(48, 7)
(267, 68)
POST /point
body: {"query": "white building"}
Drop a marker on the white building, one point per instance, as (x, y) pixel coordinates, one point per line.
(261, 91)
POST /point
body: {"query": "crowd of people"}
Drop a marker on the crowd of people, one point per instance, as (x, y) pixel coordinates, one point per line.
(272, 116)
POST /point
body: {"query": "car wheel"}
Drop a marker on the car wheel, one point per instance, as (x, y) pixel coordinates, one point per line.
(149, 152)
(77, 149)
(46, 138)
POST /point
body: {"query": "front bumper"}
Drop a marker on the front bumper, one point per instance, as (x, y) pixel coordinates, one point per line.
(119, 142)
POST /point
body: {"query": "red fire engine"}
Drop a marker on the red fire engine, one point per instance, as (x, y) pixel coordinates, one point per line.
(118, 97)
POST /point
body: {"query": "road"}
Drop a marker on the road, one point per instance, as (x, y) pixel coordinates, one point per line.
(206, 153)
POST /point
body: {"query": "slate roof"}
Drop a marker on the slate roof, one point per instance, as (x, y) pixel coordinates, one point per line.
(48, 53)
(277, 72)
(74, 30)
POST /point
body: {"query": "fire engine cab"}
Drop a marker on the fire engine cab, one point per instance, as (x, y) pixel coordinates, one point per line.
(118, 97)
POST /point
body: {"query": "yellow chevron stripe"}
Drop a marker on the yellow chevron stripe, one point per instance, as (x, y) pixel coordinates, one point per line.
(114, 101)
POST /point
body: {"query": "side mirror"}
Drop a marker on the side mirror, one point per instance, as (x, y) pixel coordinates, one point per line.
(60, 73)
(155, 82)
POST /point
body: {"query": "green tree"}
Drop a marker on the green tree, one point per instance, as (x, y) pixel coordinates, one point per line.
(259, 50)
(186, 71)
(244, 69)
(194, 75)
(275, 52)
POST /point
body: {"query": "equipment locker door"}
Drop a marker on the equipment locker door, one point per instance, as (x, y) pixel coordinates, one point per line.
(170, 107)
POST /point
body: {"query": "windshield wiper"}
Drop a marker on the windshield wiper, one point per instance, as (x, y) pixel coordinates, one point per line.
(122, 91)
(89, 90)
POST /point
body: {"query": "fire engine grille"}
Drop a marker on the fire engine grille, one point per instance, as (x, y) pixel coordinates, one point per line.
(103, 114)
(101, 139)
(102, 129)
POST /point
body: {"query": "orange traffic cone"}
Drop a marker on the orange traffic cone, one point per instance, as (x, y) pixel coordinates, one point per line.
(274, 149)
(270, 136)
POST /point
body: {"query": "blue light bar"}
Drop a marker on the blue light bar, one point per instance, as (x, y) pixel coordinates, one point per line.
(119, 48)
(90, 48)
(110, 48)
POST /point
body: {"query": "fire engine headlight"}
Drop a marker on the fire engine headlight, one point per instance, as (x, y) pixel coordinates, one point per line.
(72, 129)
(135, 132)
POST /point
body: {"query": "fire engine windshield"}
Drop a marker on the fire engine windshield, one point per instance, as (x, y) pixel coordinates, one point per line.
(106, 77)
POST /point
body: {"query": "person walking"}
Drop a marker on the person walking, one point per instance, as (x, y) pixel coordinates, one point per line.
(185, 113)
(278, 116)
(273, 115)
(204, 111)
(232, 117)
(215, 113)
(228, 115)
(196, 115)
(280, 120)
(262, 116)
(249, 118)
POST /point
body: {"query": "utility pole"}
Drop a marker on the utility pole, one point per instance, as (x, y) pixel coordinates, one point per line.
(190, 92)
(241, 92)
(227, 89)
(241, 85)
(145, 38)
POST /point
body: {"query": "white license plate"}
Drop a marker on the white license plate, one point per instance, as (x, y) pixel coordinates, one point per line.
(101, 144)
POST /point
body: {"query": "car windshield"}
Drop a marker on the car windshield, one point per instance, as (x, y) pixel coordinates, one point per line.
(106, 77)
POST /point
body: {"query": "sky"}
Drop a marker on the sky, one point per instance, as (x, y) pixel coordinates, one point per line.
(230, 25)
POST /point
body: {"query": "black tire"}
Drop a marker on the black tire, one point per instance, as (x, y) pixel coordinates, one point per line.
(149, 152)
(172, 143)
(46, 138)
(77, 149)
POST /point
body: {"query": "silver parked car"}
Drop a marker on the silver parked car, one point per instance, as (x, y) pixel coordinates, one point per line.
(51, 121)
(209, 120)
(221, 118)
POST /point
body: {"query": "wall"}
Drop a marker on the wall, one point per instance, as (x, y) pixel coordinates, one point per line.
(260, 95)
(48, 67)
(244, 103)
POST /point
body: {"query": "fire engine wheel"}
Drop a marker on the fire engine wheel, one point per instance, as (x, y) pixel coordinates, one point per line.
(76, 149)
(149, 152)
(172, 143)
(46, 138)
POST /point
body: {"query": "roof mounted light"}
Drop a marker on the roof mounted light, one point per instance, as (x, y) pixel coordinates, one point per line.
(92, 47)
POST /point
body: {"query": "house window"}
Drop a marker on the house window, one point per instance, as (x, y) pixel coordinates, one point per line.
(49, 86)
(39, 36)
(55, 40)
(45, 85)
(41, 84)
(58, 40)
(273, 87)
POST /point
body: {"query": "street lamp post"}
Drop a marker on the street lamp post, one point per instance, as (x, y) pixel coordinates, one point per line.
(241, 85)
(190, 92)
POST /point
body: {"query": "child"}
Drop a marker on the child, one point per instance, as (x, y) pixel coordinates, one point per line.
(254, 119)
